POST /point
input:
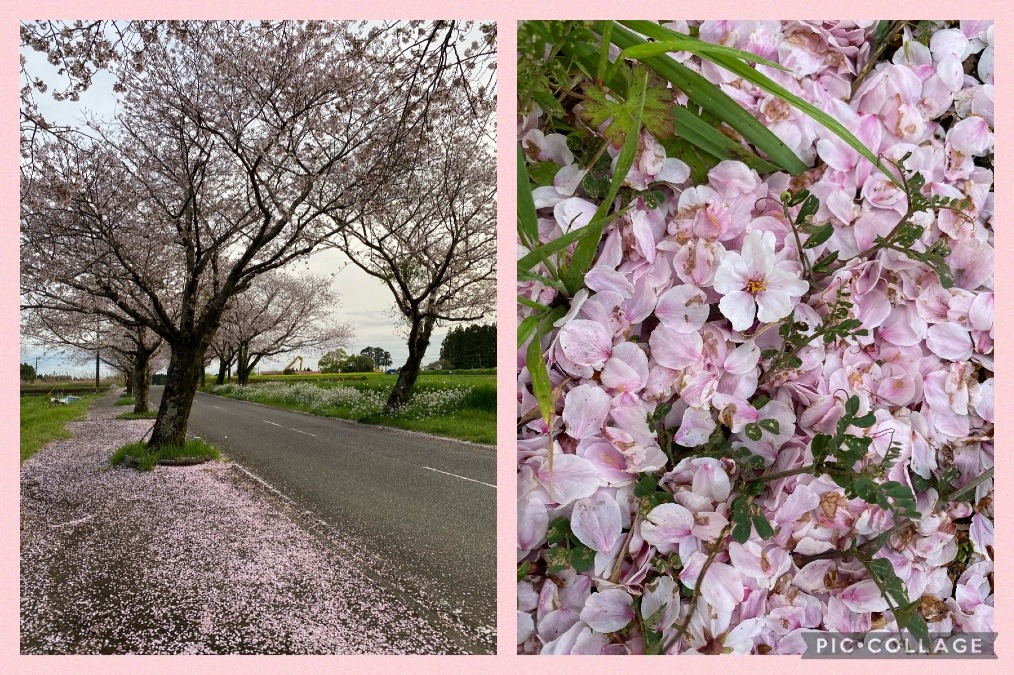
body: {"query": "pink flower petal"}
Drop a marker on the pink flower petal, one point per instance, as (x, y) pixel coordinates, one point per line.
(683, 308)
(597, 522)
(864, 596)
(666, 526)
(584, 411)
(675, 350)
(586, 343)
(949, 340)
(609, 610)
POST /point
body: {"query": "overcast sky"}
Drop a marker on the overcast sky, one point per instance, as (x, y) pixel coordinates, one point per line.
(364, 302)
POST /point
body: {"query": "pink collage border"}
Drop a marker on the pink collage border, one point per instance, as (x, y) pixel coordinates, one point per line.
(506, 13)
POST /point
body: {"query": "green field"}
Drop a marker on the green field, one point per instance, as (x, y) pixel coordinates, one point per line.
(61, 388)
(42, 421)
(471, 417)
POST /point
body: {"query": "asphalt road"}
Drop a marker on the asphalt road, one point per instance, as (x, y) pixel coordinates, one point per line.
(418, 511)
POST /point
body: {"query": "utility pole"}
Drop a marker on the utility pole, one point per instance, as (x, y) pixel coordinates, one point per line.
(97, 353)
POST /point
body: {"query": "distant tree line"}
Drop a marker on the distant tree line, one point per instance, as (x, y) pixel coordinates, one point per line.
(366, 361)
(470, 346)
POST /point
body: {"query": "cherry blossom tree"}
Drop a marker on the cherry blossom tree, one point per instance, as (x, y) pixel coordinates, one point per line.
(83, 337)
(432, 238)
(236, 148)
(282, 313)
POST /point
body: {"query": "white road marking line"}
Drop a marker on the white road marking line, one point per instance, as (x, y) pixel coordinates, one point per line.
(303, 432)
(263, 482)
(461, 477)
(273, 424)
(217, 408)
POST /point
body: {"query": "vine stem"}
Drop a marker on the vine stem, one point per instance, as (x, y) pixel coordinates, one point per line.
(875, 56)
(697, 590)
(614, 576)
(788, 472)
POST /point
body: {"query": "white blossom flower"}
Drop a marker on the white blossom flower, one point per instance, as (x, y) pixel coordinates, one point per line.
(754, 283)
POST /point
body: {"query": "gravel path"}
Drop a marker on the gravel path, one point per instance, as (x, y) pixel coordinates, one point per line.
(195, 560)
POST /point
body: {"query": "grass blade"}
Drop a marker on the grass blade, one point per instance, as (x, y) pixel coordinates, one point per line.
(834, 126)
(669, 42)
(736, 65)
(715, 143)
(528, 221)
(555, 246)
(714, 100)
(542, 387)
(691, 127)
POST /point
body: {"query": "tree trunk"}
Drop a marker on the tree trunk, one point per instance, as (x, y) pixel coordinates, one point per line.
(141, 378)
(220, 379)
(185, 366)
(128, 379)
(243, 364)
(418, 341)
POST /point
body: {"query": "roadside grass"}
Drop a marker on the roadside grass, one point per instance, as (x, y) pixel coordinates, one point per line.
(471, 419)
(137, 454)
(476, 426)
(126, 399)
(131, 415)
(42, 421)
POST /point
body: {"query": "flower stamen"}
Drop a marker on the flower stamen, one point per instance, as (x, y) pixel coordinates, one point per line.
(756, 285)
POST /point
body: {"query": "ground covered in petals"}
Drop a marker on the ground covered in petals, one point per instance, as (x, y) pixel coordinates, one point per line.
(198, 559)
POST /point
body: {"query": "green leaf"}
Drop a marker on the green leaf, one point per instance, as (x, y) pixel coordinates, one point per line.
(557, 560)
(542, 173)
(763, 527)
(819, 236)
(537, 306)
(582, 558)
(604, 51)
(761, 80)
(810, 206)
(820, 447)
(770, 425)
(696, 131)
(651, 109)
(558, 530)
(852, 405)
(740, 508)
(741, 531)
(757, 78)
(752, 431)
(542, 387)
(539, 253)
(790, 199)
(705, 94)
(823, 264)
(523, 570)
(646, 486)
(527, 327)
(917, 626)
(864, 488)
(528, 221)
(866, 421)
(759, 402)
